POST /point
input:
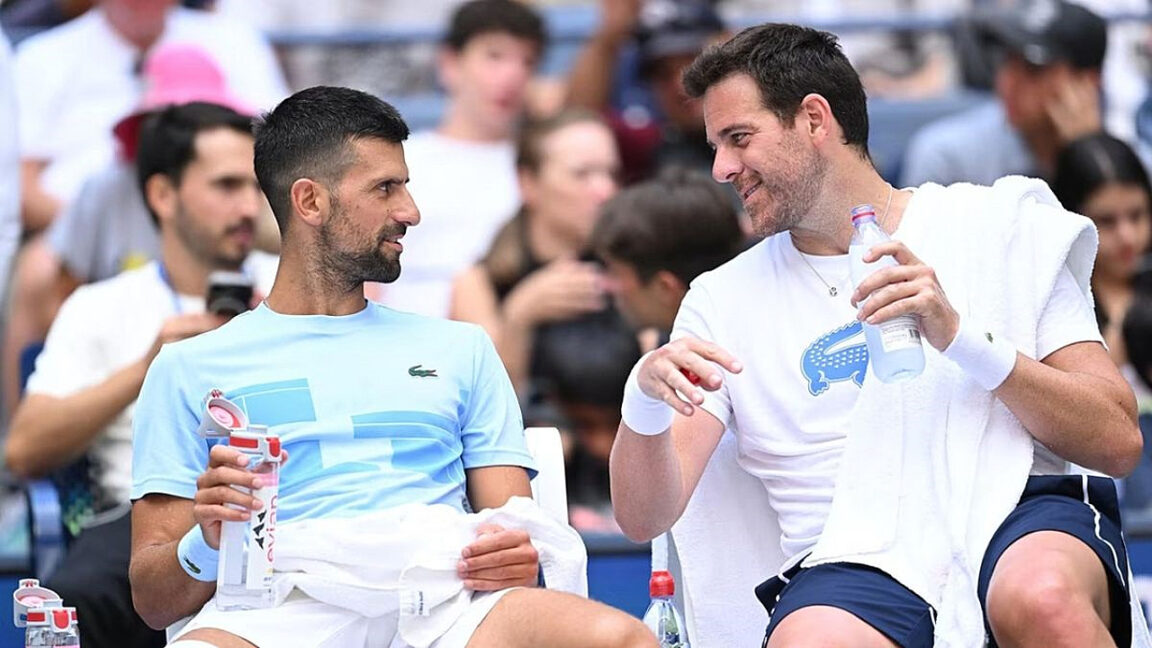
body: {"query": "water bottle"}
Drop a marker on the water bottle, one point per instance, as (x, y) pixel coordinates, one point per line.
(65, 628)
(244, 577)
(894, 347)
(662, 617)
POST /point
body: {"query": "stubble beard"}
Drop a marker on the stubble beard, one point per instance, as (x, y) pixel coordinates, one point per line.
(350, 269)
(793, 197)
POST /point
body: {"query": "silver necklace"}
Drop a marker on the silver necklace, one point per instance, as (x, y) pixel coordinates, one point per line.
(832, 292)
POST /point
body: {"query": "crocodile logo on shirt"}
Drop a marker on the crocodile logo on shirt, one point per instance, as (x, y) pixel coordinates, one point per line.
(416, 372)
(191, 565)
(832, 359)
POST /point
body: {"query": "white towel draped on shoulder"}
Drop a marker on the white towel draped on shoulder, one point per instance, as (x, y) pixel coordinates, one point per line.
(403, 560)
(933, 465)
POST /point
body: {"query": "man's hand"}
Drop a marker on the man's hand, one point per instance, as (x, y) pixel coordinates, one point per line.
(675, 372)
(910, 288)
(179, 327)
(498, 559)
(1074, 106)
(217, 500)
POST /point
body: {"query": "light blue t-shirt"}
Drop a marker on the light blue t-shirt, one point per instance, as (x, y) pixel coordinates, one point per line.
(376, 409)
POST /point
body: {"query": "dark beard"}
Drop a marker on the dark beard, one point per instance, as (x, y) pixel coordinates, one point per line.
(350, 269)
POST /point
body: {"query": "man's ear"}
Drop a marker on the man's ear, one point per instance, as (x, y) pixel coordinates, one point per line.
(448, 68)
(816, 119)
(161, 196)
(670, 288)
(311, 201)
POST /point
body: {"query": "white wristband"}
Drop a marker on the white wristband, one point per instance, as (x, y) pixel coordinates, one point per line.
(199, 561)
(986, 358)
(639, 411)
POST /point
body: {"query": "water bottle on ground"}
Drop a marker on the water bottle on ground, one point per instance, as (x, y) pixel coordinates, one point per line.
(244, 576)
(894, 347)
(662, 617)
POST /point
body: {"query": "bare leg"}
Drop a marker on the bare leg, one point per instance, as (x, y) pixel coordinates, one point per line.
(531, 618)
(827, 627)
(217, 638)
(1049, 590)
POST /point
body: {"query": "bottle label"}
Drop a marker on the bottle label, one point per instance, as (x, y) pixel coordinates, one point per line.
(899, 333)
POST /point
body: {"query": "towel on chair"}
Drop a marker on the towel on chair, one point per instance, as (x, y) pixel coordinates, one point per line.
(403, 560)
(933, 465)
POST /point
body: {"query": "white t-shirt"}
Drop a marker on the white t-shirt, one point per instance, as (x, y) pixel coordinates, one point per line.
(104, 327)
(74, 82)
(465, 192)
(804, 359)
(9, 167)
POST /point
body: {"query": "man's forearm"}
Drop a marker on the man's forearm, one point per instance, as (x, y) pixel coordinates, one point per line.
(1082, 417)
(590, 80)
(162, 592)
(647, 485)
(49, 432)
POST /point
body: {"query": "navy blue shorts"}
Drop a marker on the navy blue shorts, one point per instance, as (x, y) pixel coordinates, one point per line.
(868, 593)
(1073, 504)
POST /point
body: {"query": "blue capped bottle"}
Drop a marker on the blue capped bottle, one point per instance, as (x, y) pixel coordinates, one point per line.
(894, 347)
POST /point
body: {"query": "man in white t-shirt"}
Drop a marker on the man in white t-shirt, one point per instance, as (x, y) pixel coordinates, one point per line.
(787, 116)
(197, 176)
(75, 81)
(464, 171)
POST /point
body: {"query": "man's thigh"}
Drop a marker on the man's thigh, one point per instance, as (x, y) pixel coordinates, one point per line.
(531, 617)
(1074, 520)
(844, 604)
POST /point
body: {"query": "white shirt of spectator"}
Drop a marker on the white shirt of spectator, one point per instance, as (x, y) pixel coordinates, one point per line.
(768, 309)
(9, 167)
(76, 81)
(465, 192)
(104, 327)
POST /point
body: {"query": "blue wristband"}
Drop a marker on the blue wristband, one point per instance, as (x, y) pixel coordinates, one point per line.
(198, 559)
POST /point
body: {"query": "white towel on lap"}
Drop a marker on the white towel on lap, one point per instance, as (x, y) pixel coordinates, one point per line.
(403, 560)
(932, 466)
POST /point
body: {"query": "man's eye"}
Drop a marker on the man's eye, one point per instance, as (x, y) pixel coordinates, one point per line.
(739, 139)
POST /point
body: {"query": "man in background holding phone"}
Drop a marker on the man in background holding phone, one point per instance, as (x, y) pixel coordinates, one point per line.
(196, 173)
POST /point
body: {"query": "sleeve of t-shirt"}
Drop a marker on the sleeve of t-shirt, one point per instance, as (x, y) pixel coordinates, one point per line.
(71, 358)
(492, 428)
(1067, 318)
(692, 321)
(167, 454)
(925, 161)
(72, 235)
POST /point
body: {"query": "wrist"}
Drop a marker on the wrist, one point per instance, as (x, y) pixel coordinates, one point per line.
(986, 358)
(196, 558)
(643, 414)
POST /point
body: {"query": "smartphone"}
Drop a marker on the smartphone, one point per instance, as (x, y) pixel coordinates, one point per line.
(229, 293)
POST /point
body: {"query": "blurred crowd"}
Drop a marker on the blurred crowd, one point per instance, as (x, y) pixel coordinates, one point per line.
(563, 184)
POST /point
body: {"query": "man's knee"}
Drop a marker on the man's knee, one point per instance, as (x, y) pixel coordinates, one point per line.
(1044, 600)
(621, 631)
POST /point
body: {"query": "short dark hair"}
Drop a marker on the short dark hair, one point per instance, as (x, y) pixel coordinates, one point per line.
(1088, 163)
(788, 62)
(308, 135)
(166, 144)
(477, 17)
(585, 360)
(681, 221)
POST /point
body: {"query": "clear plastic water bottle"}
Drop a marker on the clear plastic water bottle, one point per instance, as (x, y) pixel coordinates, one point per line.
(662, 617)
(894, 347)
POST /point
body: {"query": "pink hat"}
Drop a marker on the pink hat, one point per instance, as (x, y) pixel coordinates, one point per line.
(176, 73)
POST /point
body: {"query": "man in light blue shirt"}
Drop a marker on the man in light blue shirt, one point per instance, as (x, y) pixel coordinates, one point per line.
(376, 409)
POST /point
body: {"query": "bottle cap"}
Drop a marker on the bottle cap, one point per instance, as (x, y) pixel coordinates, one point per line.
(221, 417)
(661, 584)
(861, 211)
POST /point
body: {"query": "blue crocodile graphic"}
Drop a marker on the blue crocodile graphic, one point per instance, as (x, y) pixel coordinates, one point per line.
(823, 364)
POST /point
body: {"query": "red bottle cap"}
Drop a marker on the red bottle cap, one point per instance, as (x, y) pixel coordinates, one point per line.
(691, 376)
(661, 585)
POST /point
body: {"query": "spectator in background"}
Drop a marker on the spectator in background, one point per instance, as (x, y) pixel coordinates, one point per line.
(668, 35)
(464, 171)
(1100, 177)
(108, 228)
(584, 363)
(74, 81)
(534, 275)
(659, 235)
(196, 174)
(9, 169)
(1048, 89)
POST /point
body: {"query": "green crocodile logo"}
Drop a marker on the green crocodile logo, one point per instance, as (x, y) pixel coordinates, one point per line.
(416, 372)
(192, 566)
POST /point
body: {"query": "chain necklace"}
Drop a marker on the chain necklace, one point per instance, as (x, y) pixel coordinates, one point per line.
(832, 292)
